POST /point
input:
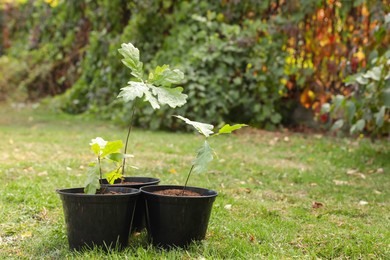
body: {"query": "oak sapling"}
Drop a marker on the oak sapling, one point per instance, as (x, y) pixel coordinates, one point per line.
(104, 151)
(205, 153)
(157, 88)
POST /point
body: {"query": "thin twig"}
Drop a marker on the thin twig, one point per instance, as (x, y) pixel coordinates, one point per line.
(128, 135)
(188, 176)
(101, 176)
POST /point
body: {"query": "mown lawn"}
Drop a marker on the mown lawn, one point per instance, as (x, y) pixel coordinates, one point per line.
(281, 195)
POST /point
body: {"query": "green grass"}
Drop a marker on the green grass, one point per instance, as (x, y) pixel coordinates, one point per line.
(269, 179)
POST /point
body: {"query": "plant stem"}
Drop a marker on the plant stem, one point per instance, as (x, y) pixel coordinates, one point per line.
(101, 176)
(128, 135)
(188, 176)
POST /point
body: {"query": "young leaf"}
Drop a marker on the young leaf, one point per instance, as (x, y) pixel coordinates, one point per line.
(164, 76)
(172, 97)
(204, 129)
(96, 149)
(227, 129)
(131, 59)
(203, 157)
(97, 145)
(151, 99)
(112, 176)
(133, 90)
(92, 182)
(118, 157)
(112, 147)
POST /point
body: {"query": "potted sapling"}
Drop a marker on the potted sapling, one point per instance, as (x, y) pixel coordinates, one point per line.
(156, 89)
(99, 215)
(177, 215)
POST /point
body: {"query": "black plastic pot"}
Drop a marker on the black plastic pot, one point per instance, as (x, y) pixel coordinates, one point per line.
(174, 220)
(139, 221)
(98, 220)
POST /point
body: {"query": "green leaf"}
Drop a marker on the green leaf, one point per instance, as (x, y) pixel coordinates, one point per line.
(351, 110)
(374, 73)
(380, 116)
(118, 157)
(358, 126)
(325, 108)
(351, 79)
(386, 97)
(112, 176)
(204, 129)
(112, 147)
(133, 90)
(275, 118)
(361, 80)
(96, 149)
(227, 129)
(338, 101)
(92, 182)
(337, 125)
(151, 99)
(139, 89)
(131, 59)
(172, 97)
(164, 76)
(203, 158)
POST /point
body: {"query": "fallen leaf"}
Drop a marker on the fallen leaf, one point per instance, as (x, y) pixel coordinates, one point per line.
(313, 184)
(273, 141)
(228, 206)
(379, 170)
(340, 183)
(252, 238)
(26, 234)
(377, 192)
(172, 171)
(363, 202)
(44, 173)
(351, 171)
(316, 205)
(361, 175)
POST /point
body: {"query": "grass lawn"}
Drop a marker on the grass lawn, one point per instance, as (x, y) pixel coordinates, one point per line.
(281, 195)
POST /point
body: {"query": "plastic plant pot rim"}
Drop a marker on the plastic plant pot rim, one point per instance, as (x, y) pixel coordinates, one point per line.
(145, 189)
(78, 192)
(143, 181)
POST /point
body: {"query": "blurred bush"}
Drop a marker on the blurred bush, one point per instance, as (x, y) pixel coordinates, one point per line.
(264, 63)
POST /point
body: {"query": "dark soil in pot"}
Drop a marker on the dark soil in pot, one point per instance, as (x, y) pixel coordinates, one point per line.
(174, 220)
(139, 221)
(98, 220)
